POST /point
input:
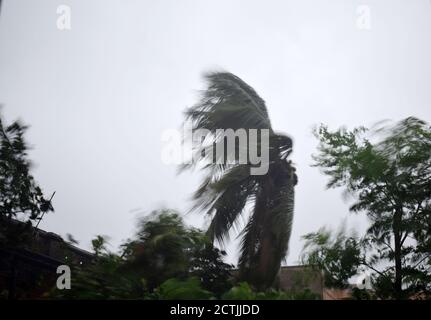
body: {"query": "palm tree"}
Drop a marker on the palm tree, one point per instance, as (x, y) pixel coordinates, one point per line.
(230, 190)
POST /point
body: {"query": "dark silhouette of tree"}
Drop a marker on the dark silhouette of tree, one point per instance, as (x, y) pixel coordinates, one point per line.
(20, 196)
(390, 175)
(165, 260)
(161, 249)
(166, 248)
(103, 278)
(208, 266)
(228, 189)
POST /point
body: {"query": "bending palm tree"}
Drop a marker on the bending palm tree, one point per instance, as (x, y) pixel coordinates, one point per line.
(228, 189)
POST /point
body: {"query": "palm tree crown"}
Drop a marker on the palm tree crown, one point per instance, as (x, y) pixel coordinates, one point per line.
(229, 190)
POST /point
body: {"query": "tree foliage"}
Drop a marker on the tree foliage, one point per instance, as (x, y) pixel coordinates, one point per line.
(388, 170)
(337, 255)
(165, 260)
(243, 291)
(20, 196)
(187, 289)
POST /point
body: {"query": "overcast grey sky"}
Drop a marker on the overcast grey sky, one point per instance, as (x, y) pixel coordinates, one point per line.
(99, 96)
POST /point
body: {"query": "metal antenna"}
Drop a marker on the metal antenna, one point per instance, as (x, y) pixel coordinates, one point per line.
(43, 213)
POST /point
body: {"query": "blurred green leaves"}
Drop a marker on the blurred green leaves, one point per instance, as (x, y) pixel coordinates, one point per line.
(337, 255)
(165, 260)
(388, 171)
(20, 195)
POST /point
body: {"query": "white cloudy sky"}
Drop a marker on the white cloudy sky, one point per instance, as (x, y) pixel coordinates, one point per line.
(99, 96)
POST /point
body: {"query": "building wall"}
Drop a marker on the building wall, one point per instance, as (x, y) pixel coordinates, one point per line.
(300, 278)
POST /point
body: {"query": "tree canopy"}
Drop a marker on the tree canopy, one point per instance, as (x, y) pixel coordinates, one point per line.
(388, 170)
(20, 196)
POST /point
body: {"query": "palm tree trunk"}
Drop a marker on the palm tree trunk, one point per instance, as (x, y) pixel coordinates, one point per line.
(267, 259)
(268, 263)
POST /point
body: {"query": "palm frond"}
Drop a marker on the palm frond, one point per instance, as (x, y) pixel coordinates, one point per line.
(229, 103)
(228, 197)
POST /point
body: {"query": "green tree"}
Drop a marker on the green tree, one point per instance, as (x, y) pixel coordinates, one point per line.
(243, 291)
(338, 255)
(161, 249)
(178, 289)
(166, 248)
(165, 256)
(229, 188)
(389, 172)
(208, 266)
(20, 196)
(102, 278)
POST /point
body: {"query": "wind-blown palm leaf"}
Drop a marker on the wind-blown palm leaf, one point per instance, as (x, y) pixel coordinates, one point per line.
(229, 103)
(233, 191)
